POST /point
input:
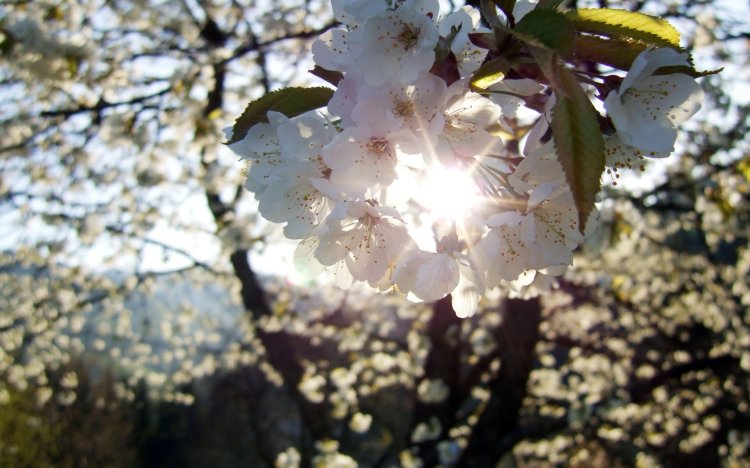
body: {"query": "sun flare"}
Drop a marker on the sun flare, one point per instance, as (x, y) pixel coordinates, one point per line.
(448, 193)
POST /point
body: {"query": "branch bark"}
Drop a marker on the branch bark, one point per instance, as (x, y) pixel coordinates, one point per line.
(517, 339)
(442, 365)
(284, 351)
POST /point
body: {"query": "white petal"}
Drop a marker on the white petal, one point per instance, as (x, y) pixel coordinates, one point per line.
(395, 45)
(649, 61)
(640, 129)
(356, 12)
(331, 50)
(465, 298)
(329, 250)
(304, 258)
(508, 218)
(436, 277)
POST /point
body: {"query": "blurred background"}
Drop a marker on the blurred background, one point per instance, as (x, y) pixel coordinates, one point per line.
(149, 317)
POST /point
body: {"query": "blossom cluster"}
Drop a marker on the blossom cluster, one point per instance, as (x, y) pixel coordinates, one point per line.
(407, 183)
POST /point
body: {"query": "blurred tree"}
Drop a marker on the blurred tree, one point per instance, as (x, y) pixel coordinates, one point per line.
(124, 221)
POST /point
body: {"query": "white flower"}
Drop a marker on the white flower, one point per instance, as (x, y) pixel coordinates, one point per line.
(356, 12)
(301, 201)
(366, 237)
(289, 458)
(555, 229)
(468, 56)
(363, 159)
(539, 174)
(331, 50)
(619, 155)
(466, 296)
(464, 135)
(505, 252)
(300, 194)
(430, 276)
(508, 94)
(414, 105)
(432, 391)
(517, 243)
(429, 8)
(647, 107)
(346, 97)
(260, 147)
(394, 45)
(360, 422)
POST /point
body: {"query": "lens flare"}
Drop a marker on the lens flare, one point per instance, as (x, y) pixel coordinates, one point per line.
(448, 193)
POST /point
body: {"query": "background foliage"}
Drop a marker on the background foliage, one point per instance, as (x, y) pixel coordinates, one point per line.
(135, 329)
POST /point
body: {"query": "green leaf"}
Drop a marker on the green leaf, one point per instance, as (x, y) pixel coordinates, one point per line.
(579, 143)
(624, 24)
(547, 28)
(687, 71)
(289, 101)
(615, 53)
(330, 76)
(489, 73)
(620, 54)
(550, 4)
(548, 63)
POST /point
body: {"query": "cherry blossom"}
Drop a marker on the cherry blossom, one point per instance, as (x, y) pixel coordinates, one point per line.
(396, 43)
(620, 155)
(509, 94)
(355, 12)
(363, 159)
(366, 237)
(647, 106)
(260, 147)
(430, 276)
(416, 105)
(467, 116)
(468, 56)
(555, 231)
(505, 252)
(407, 184)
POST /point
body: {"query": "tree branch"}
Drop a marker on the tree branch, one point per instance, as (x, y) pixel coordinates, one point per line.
(517, 339)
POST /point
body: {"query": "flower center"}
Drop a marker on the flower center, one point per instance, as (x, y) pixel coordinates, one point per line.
(379, 147)
(408, 36)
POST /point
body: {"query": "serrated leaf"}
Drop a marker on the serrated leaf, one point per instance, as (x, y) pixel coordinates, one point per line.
(551, 4)
(489, 73)
(548, 63)
(615, 53)
(620, 54)
(687, 71)
(624, 24)
(579, 143)
(288, 101)
(547, 28)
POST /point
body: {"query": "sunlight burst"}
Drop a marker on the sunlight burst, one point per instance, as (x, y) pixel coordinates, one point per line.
(448, 192)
